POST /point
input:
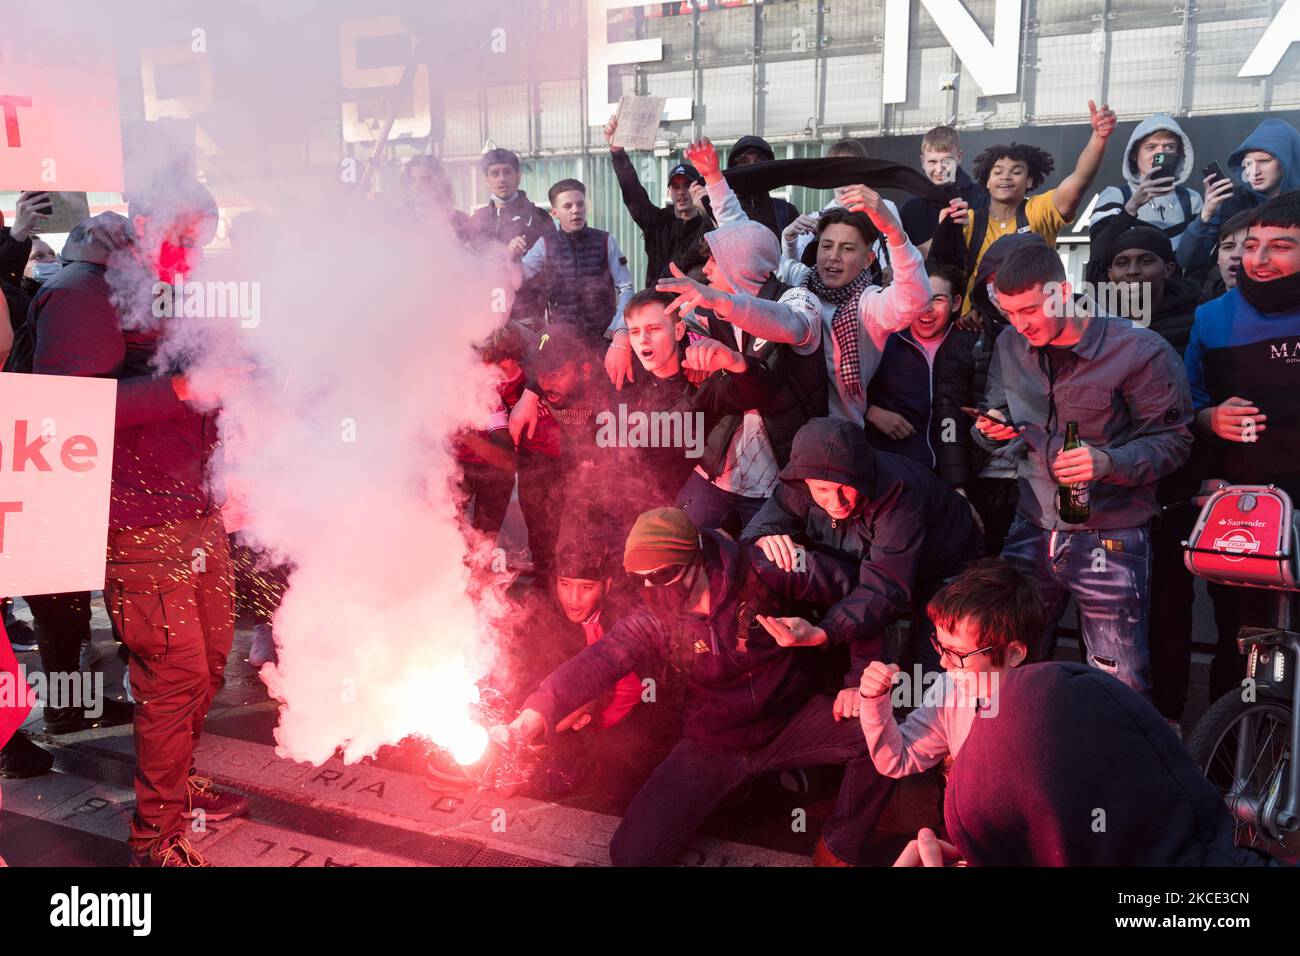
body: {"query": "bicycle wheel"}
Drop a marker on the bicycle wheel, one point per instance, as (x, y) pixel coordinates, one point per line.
(1244, 750)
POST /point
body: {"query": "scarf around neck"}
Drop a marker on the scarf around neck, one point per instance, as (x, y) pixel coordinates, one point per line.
(844, 324)
(1276, 295)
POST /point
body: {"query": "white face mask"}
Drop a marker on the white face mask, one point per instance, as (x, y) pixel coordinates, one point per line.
(45, 270)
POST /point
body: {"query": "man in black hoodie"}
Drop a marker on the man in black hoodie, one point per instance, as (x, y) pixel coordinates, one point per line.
(673, 231)
(865, 534)
(776, 214)
(1076, 769)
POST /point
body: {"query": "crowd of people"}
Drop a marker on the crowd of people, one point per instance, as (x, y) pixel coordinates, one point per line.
(849, 424)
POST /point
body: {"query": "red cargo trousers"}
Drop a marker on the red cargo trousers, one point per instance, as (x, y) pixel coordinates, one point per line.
(170, 591)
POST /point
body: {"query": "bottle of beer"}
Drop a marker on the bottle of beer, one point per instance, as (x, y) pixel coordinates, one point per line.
(1072, 500)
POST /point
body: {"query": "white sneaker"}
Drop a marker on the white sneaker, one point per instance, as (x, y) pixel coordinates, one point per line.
(94, 654)
(126, 683)
(263, 649)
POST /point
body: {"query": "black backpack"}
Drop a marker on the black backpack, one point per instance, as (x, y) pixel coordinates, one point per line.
(980, 228)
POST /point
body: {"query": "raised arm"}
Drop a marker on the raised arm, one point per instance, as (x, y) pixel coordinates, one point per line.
(78, 334)
(635, 198)
(1068, 196)
(726, 207)
(893, 309)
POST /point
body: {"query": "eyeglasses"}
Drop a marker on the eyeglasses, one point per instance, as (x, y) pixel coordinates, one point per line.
(957, 660)
(659, 577)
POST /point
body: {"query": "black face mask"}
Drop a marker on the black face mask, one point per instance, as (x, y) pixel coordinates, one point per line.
(668, 603)
(1276, 295)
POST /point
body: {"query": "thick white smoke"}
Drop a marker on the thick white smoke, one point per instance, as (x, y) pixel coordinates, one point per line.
(339, 398)
(339, 460)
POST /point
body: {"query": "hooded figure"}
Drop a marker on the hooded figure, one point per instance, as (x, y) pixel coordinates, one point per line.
(1066, 741)
(1170, 213)
(906, 534)
(746, 253)
(1278, 139)
(775, 214)
(1196, 254)
(1173, 315)
(792, 386)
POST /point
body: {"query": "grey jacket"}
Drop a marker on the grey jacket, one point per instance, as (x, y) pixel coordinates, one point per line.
(1128, 391)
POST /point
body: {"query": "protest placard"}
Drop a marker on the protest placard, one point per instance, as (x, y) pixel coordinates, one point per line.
(58, 106)
(638, 121)
(56, 462)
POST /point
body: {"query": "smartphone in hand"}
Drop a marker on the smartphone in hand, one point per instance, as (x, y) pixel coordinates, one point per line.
(44, 201)
(1163, 166)
(1213, 171)
(980, 413)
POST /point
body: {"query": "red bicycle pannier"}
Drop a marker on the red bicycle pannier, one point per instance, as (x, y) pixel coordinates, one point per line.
(1245, 535)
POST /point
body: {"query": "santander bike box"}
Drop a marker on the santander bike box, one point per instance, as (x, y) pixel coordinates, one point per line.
(1245, 535)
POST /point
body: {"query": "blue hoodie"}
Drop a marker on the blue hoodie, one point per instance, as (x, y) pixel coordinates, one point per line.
(1273, 136)
(1276, 138)
(1237, 350)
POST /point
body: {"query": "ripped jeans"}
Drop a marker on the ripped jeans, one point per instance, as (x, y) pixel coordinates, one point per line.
(1108, 573)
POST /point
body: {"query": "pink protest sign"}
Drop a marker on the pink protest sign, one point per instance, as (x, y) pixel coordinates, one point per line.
(59, 124)
(56, 463)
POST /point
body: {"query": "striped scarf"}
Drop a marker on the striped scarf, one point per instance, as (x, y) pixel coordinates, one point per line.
(844, 325)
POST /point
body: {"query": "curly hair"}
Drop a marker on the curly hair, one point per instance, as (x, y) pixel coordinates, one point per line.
(1038, 161)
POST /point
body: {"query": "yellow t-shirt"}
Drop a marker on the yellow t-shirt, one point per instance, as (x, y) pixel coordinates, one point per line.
(1043, 217)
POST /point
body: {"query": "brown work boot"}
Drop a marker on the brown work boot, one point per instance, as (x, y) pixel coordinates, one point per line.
(172, 850)
(822, 855)
(215, 805)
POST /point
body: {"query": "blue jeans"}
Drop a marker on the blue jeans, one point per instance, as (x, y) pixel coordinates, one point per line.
(1108, 572)
(694, 780)
(710, 507)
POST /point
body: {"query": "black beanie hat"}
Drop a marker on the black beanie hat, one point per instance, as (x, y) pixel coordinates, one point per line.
(1139, 237)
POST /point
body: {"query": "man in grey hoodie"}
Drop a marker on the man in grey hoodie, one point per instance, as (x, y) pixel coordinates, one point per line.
(1157, 162)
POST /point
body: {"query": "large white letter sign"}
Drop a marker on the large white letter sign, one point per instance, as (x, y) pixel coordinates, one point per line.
(994, 66)
(601, 55)
(1280, 34)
